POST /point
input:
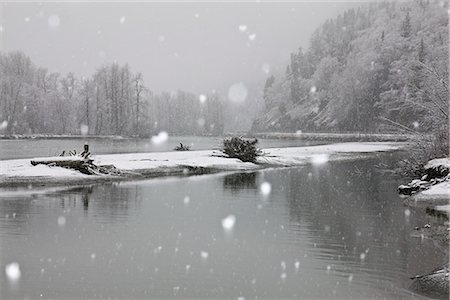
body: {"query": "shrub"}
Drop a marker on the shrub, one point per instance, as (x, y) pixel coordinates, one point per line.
(243, 149)
(424, 148)
(182, 147)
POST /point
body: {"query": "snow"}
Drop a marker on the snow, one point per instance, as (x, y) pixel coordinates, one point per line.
(265, 188)
(204, 255)
(319, 159)
(157, 161)
(53, 21)
(438, 190)
(228, 223)
(23, 167)
(3, 125)
(202, 98)
(237, 93)
(12, 271)
(265, 68)
(84, 129)
(445, 162)
(444, 208)
(162, 137)
(61, 221)
(57, 158)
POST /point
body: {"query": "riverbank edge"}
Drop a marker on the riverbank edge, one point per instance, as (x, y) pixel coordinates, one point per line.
(433, 194)
(16, 173)
(342, 137)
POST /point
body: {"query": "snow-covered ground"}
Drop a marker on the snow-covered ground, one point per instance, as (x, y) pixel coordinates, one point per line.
(21, 169)
(439, 191)
(438, 195)
(444, 162)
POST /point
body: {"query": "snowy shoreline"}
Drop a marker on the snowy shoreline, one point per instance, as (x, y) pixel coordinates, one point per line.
(438, 194)
(155, 164)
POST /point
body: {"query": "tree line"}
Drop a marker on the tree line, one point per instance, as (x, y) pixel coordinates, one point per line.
(113, 101)
(380, 67)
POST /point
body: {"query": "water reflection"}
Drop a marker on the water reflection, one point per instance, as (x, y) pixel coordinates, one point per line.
(332, 230)
(238, 181)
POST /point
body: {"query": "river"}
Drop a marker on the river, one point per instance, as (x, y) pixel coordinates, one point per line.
(336, 230)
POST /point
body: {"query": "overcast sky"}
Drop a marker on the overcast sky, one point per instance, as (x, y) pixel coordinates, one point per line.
(195, 46)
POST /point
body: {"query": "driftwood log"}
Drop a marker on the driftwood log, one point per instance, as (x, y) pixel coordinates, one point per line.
(81, 162)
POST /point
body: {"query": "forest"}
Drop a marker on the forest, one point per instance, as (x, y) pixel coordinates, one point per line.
(382, 67)
(114, 101)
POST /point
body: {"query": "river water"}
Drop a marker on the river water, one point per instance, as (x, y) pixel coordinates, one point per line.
(336, 230)
(28, 148)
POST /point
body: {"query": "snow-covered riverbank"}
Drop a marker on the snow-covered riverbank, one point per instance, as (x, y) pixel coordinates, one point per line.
(435, 190)
(187, 162)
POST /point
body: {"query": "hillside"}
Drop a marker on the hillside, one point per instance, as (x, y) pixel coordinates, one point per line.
(372, 69)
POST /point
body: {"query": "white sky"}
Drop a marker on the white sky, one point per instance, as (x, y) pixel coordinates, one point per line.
(193, 46)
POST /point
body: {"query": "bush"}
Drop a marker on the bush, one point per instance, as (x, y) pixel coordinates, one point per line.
(243, 149)
(182, 147)
(423, 149)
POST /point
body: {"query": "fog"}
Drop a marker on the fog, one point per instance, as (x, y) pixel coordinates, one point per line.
(196, 47)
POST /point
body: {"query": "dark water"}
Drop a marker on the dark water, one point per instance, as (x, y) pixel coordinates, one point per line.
(337, 230)
(12, 149)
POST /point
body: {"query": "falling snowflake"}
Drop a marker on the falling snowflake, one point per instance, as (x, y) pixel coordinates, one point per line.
(297, 265)
(237, 93)
(318, 159)
(3, 125)
(201, 122)
(54, 21)
(161, 138)
(362, 256)
(61, 221)
(204, 255)
(27, 19)
(416, 124)
(162, 38)
(93, 256)
(176, 289)
(252, 37)
(186, 200)
(265, 188)
(313, 89)
(242, 28)
(407, 212)
(122, 20)
(84, 129)
(228, 223)
(202, 98)
(265, 68)
(12, 271)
